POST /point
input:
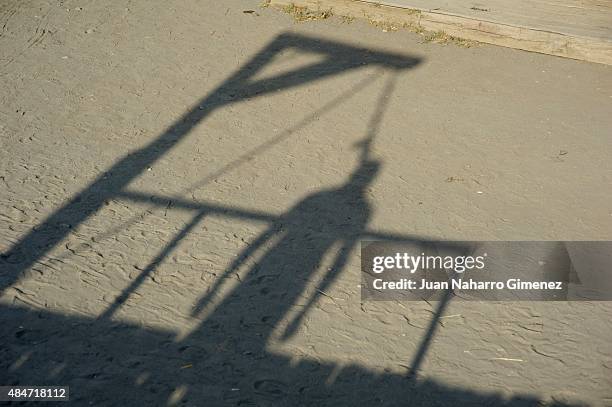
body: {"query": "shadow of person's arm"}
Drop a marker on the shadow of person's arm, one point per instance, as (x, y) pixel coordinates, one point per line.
(243, 257)
(339, 263)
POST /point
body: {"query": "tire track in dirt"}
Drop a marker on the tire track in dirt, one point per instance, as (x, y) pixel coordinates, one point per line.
(34, 39)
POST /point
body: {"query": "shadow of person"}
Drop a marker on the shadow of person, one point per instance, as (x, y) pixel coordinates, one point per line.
(328, 221)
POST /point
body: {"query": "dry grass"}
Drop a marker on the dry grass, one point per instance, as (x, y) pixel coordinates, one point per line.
(303, 13)
(347, 19)
(385, 26)
(440, 37)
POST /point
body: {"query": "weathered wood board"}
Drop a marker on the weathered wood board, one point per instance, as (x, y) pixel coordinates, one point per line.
(578, 29)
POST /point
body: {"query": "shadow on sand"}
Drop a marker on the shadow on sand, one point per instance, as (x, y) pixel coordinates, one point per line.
(225, 361)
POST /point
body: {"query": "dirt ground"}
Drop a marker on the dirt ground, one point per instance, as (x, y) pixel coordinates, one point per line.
(184, 186)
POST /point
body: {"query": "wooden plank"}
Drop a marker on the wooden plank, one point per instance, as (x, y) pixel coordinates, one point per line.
(584, 18)
(587, 38)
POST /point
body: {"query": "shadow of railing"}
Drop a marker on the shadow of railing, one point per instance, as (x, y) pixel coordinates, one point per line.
(109, 363)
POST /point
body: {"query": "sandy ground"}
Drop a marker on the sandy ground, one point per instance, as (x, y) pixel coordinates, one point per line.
(178, 179)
